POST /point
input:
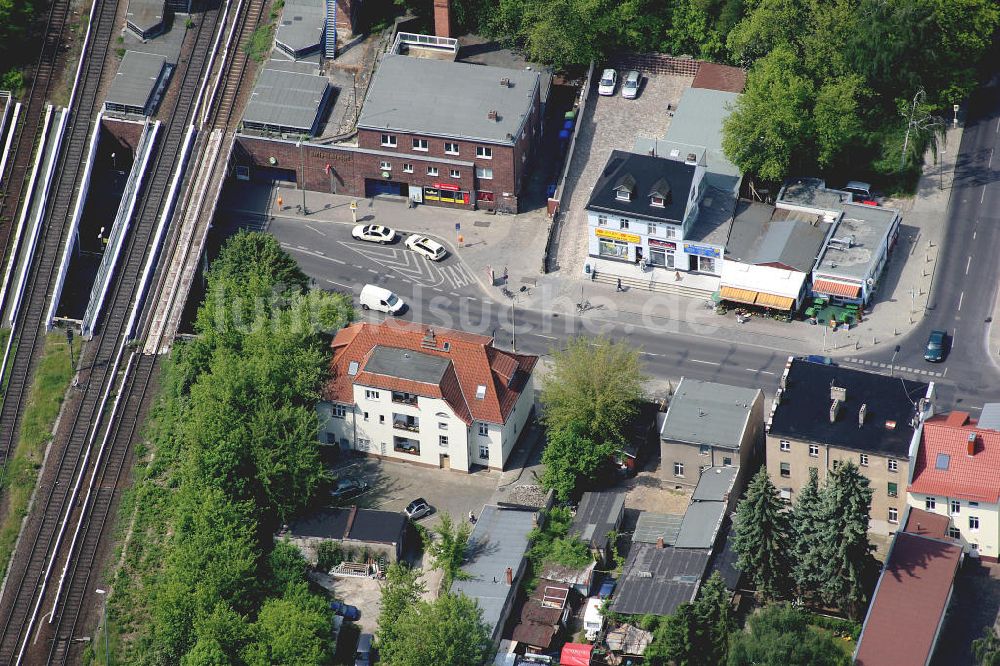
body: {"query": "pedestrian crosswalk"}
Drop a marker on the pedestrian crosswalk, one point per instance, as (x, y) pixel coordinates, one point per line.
(923, 372)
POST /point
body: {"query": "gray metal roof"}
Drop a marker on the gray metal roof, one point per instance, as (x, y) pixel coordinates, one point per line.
(652, 526)
(708, 413)
(145, 14)
(448, 99)
(868, 227)
(698, 119)
(715, 216)
(715, 484)
(498, 541)
(763, 234)
(598, 514)
(702, 521)
(989, 418)
(811, 193)
(136, 79)
(286, 99)
(407, 364)
(301, 25)
(658, 580)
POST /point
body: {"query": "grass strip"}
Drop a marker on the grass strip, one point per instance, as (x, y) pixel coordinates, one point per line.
(38, 417)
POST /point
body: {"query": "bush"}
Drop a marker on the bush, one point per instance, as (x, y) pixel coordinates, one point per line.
(328, 555)
(838, 626)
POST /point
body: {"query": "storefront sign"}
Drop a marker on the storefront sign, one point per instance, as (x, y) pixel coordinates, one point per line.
(447, 186)
(653, 242)
(700, 250)
(617, 235)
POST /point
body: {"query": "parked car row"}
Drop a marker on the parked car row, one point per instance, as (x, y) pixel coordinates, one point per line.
(377, 233)
(630, 84)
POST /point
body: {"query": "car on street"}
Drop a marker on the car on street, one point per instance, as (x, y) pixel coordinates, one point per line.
(608, 83)
(417, 509)
(378, 298)
(425, 246)
(346, 489)
(373, 233)
(346, 611)
(935, 346)
(630, 84)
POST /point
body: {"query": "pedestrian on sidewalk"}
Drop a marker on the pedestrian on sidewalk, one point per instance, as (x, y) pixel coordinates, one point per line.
(620, 285)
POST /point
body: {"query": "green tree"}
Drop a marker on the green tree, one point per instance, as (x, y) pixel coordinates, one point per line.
(986, 649)
(402, 589)
(696, 634)
(762, 537)
(849, 568)
(446, 545)
(574, 460)
(715, 618)
(837, 117)
(449, 630)
(292, 629)
(770, 129)
(769, 25)
(808, 531)
(779, 635)
(286, 566)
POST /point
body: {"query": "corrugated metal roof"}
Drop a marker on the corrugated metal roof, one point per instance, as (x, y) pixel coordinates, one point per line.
(286, 99)
(709, 413)
(658, 580)
(136, 79)
(652, 526)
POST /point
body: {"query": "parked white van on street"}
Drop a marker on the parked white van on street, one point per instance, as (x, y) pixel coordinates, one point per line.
(383, 300)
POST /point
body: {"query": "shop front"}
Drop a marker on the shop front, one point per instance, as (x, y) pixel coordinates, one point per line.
(703, 258)
(447, 193)
(618, 245)
(661, 253)
(838, 291)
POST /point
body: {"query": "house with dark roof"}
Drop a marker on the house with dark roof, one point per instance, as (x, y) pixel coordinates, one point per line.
(710, 425)
(824, 415)
(598, 514)
(378, 532)
(433, 397)
(656, 579)
(544, 615)
(912, 596)
(957, 477)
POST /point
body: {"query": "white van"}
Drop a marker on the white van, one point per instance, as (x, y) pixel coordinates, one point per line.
(383, 300)
(593, 621)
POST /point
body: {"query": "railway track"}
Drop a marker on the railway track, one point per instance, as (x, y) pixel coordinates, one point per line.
(43, 548)
(51, 58)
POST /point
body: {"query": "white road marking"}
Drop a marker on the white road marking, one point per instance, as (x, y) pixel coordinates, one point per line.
(694, 360)
(307, 226)
(340, 284)
(547, 337)
(990, 165)
(982, 196)
(969, 262)
(973, 236)
(646, 353)
(338, 261)
(766, 372)
(960, 298)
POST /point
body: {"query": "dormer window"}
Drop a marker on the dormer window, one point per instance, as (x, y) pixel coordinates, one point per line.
(659, 193)
(623, 195)
(658, 202)
(624, 188)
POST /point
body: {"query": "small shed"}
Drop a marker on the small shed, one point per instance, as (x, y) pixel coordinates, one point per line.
(599, 514)
(380, 532)
(628, 640)
(139, 84)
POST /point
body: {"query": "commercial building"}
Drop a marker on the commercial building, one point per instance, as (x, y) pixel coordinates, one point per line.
(285, 103)
(957, 476)
(912, 596)
(710, 425)
(139, 85)
(825, 415)
(378, 532)
(433, 397)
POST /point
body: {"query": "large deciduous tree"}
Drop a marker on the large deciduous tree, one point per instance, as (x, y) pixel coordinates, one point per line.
(446, 545)
(449, 630)
(779, 635)
(762, 537)
(402, 589)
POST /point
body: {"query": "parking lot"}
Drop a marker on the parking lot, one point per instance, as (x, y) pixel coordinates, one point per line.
(611, 123)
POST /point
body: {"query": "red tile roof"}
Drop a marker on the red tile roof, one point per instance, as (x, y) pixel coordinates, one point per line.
(912, 597)
(975, 477)
(473, 362)
(720, 77)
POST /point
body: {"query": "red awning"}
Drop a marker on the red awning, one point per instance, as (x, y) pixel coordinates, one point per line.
(575, 654)
(837, 288)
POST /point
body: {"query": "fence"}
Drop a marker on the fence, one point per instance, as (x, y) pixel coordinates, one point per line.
(657, 63)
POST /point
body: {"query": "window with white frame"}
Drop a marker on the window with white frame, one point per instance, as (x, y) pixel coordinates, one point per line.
(384, 166)
(973, 523)
(892, 490)
(484, 451)
(338, 411)
(893, 515)
(955, 506)
(389, 140)
(485, 173)
(727, 461)
(484, 152)
(432, 171)
(363, 444)
(371, 394)
(443, 441)
(671, 232)
(679, 469)
(451, 148)
(366, 416)
(407, 168)
(930, 503)
(954, 533)
(484, 429)
(657, 201)
(602, 220)
(454, 173)
(704, 450)
(814, 450)
(651, 229)
(864, 460)
(786, 470)
(623, 223)
(785, 445)
(893, 465)
(420, 144)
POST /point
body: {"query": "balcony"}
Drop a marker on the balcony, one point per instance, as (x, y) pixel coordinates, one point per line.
(404, 398)
(404, 422)
(406, 445)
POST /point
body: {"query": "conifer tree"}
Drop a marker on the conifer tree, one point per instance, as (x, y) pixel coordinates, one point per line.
(808, 527)
(846, 553)
(762, 537)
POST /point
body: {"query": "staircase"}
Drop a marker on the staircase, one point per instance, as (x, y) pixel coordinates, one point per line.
(330, 34)
(668, 286)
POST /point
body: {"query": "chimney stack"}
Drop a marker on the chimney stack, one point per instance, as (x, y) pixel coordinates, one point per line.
(861, 414)
(834, 409)
(510, 576)
(442, 18)
(971, 442)
(659, 542)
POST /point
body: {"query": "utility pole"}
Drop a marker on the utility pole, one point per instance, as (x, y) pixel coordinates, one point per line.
(513, 325)
(302, 170)
(107, 649)
(69, 341)
(892, 363)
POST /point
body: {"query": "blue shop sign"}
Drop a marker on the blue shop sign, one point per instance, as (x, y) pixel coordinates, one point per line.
(701, 251)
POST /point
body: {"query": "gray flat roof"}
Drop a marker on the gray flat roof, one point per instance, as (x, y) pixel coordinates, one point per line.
(286, 99)
(407, 364)
(702, 521)
(499, 540)
(598, 514)
(301, 25)
(145, 14)
(989, 418)
(708, 413)
(715, 216)
(763, 234)
(658, 580)
(652, 526)
(811, 193)
(136, 79)
(698, 119)
(448, 99)
(869, 227)
(714, 484)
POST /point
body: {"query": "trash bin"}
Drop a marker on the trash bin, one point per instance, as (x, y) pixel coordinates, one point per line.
(570, 115)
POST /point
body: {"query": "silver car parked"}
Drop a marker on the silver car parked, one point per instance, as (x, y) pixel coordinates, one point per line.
(630, 85)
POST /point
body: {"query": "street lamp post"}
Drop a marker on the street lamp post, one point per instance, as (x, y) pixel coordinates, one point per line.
(107, 648)
(892, 363)
(513, 325)
(302, 170)
(941, 170)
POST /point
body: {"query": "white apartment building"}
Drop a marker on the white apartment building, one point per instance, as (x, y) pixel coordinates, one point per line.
(433, 397)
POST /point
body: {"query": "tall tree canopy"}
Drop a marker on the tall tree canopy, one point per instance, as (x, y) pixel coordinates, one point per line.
(762, 537)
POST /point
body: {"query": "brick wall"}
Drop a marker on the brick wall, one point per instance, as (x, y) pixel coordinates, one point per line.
(127, 133)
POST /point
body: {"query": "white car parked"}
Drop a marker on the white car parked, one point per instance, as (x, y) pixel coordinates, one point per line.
(374, 233)
(609, 81)
(425, 246)
(630, 85)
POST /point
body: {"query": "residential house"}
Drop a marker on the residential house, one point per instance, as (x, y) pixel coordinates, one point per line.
(382, 533)
(957, 475)
(433, 397)
(543, 616)
(912, 595)
(825, 415)
(710, 425)
(598, 515)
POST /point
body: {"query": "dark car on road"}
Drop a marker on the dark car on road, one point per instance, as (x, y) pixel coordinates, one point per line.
(936, 346)
(346, 489)
(346, 611)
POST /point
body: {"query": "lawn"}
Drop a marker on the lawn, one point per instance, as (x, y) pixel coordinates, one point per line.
(48, 390)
